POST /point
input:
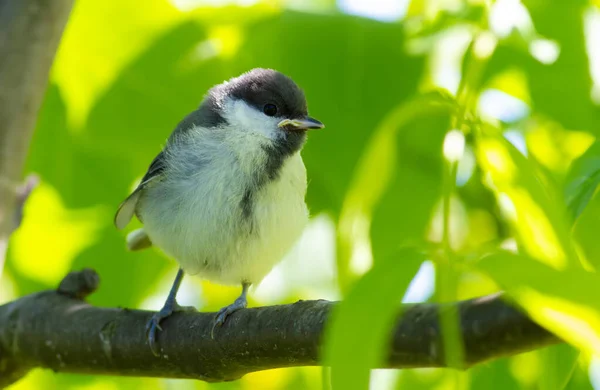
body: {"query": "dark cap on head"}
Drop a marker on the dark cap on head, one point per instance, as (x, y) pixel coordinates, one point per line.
(259, 87)
(267, 90)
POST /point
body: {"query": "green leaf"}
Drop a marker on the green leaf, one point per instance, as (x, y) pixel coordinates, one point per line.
(393, 158)
(558, 364)
(568, 79)
(583, 180)
(530, 203)
(104, 55)
(403, 213)
(580, 379)
(494, 375)
(584, 202)
(426, 379)
(559, 90)
(357, 338)
(585, 232)
(566, 302)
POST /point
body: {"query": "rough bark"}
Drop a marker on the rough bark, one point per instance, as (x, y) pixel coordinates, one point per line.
(60, 331)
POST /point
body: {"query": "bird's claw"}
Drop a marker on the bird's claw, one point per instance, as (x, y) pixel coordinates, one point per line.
(154, 323)
(222, 316)
(225, 312)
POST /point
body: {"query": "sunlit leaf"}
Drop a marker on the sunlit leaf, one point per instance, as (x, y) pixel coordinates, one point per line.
(497, 375)
(126, 31)
(555, 147)
(531, 205)
(404, 212)
(572, 313)
(558, 362)
(268, 380)
(379, 156)
(359, 333)
(565, 80)
(51, 236)
(376, 170)
(584, 203)
(580, 380)
(583, 180)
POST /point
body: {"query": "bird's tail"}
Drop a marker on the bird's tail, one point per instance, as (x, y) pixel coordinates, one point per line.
(138, 240)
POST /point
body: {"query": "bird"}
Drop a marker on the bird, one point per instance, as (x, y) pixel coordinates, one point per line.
(225, 197)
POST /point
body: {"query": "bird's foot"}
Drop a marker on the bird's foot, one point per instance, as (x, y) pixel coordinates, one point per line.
(153, 325)
(225, 312)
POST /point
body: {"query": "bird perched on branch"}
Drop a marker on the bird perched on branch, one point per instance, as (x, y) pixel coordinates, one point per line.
(225, 196)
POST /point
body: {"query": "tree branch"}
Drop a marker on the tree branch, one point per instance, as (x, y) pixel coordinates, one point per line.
(58, 330)
(29, 34)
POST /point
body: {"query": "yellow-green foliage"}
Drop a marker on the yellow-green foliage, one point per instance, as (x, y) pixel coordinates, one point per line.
(519, 83)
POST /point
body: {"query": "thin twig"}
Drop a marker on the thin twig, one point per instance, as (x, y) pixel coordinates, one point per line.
(22, 193)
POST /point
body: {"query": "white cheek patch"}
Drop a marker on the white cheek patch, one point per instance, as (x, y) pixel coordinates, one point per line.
(244, 117)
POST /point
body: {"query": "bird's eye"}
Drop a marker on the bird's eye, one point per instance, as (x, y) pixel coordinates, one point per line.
(270, 109)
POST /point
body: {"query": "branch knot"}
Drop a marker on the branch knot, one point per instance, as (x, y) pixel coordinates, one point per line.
(79, 284)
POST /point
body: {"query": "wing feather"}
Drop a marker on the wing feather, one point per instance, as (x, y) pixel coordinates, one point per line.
(127, 209)
(207, 115)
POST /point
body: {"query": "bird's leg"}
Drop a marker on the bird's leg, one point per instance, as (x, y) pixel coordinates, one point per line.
(239, 303)
(171, 306)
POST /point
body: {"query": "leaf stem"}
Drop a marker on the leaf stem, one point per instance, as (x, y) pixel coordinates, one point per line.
(448, 274)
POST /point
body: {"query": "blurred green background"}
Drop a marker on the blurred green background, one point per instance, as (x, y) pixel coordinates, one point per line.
(459, 158)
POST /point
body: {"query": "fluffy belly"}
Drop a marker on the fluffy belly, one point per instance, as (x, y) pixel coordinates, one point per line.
(217, 234)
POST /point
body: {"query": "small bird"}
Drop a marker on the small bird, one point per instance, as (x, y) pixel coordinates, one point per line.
(225, 196)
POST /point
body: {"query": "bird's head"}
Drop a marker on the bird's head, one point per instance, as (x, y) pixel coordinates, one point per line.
(265, 102)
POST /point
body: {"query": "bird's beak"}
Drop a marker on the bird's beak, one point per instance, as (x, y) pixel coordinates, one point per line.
(301, 124)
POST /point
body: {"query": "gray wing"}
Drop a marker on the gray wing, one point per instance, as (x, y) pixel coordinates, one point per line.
(127, 209)
(207, 115)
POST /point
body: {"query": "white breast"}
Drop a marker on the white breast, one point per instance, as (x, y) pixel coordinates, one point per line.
(195, 215)
(280, 215)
